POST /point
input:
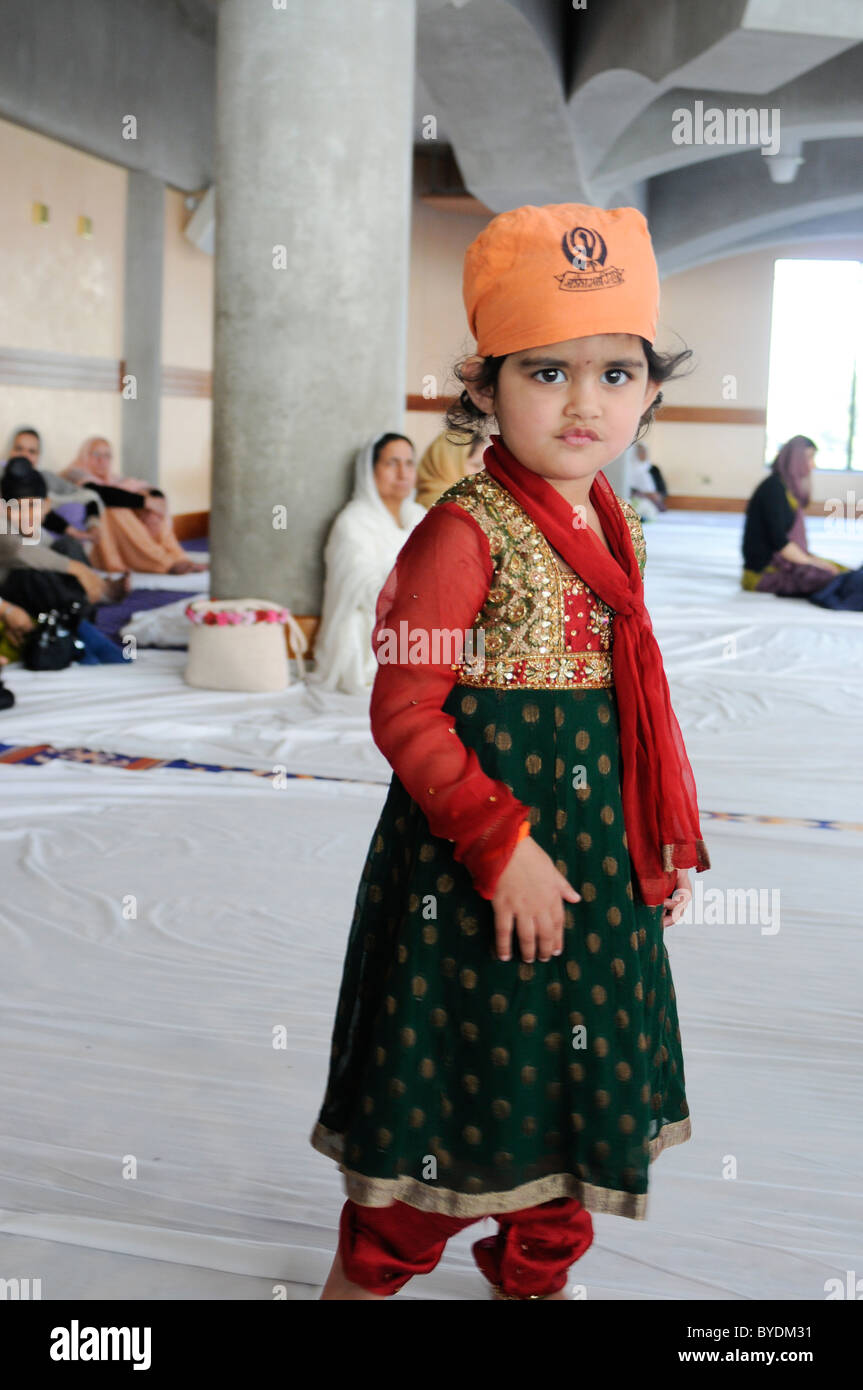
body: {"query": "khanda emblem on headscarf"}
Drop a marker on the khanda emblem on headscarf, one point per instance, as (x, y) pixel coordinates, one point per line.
(586, 250)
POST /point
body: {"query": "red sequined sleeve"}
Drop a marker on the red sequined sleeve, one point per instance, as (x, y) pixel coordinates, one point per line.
(434, 592)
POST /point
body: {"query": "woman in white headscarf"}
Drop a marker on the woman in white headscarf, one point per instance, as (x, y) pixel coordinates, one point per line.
(361, 549)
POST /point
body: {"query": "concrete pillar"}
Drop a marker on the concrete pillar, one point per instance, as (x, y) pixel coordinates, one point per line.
(314, 111)
(142, 325)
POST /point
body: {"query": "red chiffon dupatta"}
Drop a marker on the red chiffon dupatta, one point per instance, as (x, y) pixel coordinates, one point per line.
(660, 805)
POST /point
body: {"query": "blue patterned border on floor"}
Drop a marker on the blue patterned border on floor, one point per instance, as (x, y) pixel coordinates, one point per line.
(37, 754)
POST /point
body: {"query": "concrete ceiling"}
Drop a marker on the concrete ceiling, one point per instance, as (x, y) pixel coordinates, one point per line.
(546, 103)
(537, 100)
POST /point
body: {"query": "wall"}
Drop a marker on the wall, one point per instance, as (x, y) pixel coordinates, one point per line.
(437, 327)
(63, 293)
(722, 311)
(187, 341)
(60, 292)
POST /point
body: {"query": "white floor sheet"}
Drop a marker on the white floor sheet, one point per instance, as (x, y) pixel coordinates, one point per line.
(159, 928)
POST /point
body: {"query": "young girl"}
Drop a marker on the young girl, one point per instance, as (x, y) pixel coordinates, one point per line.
(506, 1041)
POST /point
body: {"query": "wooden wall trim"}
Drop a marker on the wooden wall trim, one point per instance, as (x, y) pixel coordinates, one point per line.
(681, 503)
(309, 627)
(65, 371)
(710, 415)
(187, 381)
(436, 405)
(189, 526)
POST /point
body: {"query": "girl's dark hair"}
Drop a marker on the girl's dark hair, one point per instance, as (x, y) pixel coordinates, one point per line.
(476, 433)
(28, 429)
(385, 439)
(465, 417)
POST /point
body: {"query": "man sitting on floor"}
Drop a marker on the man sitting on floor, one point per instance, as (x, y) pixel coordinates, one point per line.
(36, 577)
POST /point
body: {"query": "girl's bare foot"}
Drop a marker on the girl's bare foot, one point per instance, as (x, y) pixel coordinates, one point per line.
(339, 1286)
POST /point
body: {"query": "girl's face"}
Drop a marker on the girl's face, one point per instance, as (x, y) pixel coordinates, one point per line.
(567, 409)
(395, 471)
(810, 458)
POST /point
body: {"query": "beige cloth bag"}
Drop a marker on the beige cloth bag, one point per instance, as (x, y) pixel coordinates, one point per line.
(241, 652)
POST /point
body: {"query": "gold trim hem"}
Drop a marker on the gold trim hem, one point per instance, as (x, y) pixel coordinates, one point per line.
(498, 1293)
(382, 1192)
(551, 671)
(702, 858)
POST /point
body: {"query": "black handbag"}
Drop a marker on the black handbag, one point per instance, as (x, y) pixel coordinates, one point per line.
(54, 642)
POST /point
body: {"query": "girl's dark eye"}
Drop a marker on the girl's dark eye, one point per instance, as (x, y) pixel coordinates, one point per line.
(545, 373)
(618, 372)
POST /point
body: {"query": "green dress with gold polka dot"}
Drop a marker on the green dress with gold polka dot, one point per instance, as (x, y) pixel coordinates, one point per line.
(463, 1084)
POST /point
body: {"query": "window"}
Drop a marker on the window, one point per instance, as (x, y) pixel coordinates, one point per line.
(815, 386)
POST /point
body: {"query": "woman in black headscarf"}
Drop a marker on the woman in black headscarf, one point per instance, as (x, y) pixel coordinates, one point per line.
(775, 556)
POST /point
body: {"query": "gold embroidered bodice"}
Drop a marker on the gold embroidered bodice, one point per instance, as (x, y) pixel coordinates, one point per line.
(543, 628)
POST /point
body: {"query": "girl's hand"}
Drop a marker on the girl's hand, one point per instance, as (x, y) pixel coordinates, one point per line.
(679, 899)
(530, 893)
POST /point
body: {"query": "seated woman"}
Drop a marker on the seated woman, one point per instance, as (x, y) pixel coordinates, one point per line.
(775, 557)
(445, 462)
(35, 577)
(26, 442)
(134, 531)
(361, 549)
(647, 489)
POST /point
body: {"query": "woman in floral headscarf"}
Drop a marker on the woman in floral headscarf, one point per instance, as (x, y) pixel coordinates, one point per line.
(775, 557)
(134, 530)
(446, 460)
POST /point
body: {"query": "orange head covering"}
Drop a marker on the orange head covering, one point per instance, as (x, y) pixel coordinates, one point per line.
(543, 275)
